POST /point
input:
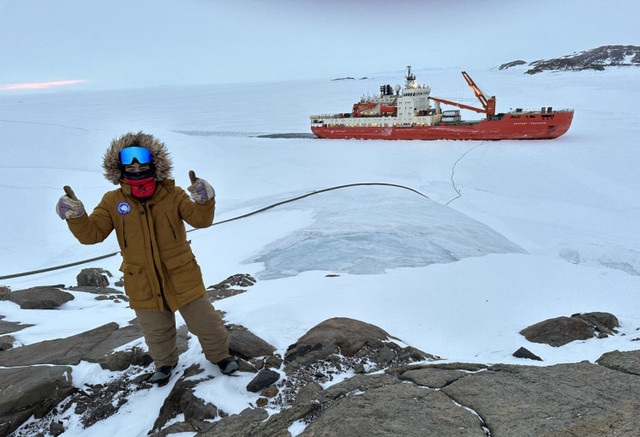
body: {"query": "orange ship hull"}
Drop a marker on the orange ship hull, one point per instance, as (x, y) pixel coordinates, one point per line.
(510, 126)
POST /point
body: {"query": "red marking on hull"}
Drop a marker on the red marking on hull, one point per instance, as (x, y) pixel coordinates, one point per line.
(509, 127)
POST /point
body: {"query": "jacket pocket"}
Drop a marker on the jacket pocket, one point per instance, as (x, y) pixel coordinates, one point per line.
(183, 273)
(136, 281)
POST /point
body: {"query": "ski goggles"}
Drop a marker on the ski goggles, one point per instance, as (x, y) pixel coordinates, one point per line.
(140, 154)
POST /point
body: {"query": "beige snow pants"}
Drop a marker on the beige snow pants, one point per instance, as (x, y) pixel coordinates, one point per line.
(159, 330)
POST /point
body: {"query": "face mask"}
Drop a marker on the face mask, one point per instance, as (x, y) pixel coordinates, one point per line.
(142, 188)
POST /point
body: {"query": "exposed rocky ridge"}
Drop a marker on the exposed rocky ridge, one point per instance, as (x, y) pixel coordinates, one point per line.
(594, 59)
(391, 389)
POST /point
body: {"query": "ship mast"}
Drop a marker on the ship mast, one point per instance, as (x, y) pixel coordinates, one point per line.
(410, 77)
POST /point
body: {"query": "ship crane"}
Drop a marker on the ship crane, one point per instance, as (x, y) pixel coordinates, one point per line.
(488, 104)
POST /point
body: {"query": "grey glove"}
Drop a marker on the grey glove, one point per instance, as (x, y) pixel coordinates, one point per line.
(201, 191)
(69, 208)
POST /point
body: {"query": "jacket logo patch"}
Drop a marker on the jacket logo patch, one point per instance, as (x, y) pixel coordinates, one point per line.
(124, 208)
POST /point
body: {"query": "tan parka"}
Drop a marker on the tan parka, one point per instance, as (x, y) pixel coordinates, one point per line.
(157, 260)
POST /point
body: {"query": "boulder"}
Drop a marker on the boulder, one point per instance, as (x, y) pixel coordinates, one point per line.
(526, 353)
(93, 277)
(262, 380)
(349, 338)
(229, 287)
(90, 346)
(41, 298)
(6, 342)
(31, 391)
(562, 330)
(239, 280)
(247, 345)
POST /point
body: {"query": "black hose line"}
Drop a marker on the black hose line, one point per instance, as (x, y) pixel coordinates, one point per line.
(324, 190)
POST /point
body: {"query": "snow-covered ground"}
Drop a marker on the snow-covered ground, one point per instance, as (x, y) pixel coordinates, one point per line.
(512, 232)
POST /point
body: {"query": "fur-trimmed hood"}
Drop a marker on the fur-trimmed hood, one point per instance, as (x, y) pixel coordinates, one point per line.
(160, 156)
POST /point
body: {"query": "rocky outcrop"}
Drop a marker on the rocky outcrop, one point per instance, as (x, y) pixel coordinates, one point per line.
(231, 286)
(459, 400)
(31, 391)
(594, 59)
(343, 377)
(89, 346)
(41, 298)
(562, 330)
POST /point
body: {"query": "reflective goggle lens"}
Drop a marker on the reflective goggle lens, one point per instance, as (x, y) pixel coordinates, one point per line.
(142, 155)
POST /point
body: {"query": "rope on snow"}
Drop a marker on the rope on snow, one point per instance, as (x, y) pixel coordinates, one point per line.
(324, 190)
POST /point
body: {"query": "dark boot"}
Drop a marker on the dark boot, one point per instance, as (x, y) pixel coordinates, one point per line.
(161, 375)
(228, 365)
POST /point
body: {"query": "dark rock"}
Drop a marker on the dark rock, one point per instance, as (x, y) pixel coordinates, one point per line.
(274, 361)
(263, 379)
(562, 330)
(6, 342)
(31, 391)
(262, 402)
(225, 288)
(42, 298)
(56, 428)
(347, 337)
(4, 291)
(526, 353)
(239, 280)
(245, 344)
(511, 64)
(270, 391)
(93, 277)
(601, 322)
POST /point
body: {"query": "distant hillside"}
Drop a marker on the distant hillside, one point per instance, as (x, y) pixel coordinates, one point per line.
(594, 59)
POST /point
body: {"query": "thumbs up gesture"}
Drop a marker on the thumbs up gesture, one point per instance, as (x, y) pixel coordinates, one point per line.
(69, 206)
(200, 190)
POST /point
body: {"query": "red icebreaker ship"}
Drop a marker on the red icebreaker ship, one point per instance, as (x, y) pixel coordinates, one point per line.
(409, 115)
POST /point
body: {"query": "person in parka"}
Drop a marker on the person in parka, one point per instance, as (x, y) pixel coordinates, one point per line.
(160, 272)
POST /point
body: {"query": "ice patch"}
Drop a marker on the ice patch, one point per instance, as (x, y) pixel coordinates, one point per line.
(348, 236)
(611, 256)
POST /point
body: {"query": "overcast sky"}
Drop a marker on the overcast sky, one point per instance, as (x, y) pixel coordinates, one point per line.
(161, 42)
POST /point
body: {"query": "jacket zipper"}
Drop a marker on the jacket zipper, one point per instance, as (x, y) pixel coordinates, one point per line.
(124, 233)
(153, 258)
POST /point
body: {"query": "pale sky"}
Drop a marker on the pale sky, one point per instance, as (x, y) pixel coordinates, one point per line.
(122, 43)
